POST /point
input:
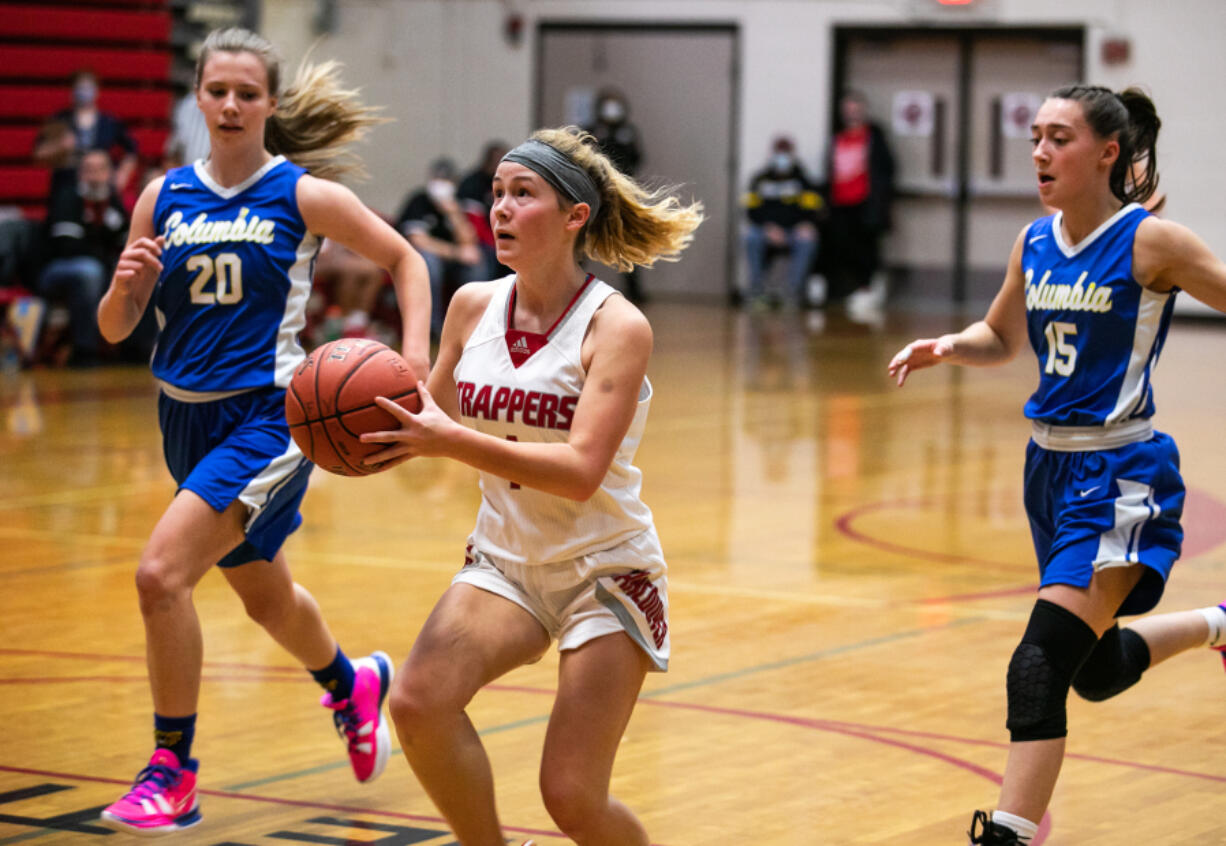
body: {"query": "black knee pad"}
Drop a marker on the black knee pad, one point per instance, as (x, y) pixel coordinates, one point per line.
(1054, 647)
(1114, 665)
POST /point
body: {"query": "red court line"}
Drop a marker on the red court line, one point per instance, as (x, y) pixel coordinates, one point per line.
(1096, 759)
(276, 800)
(142, 679)
(844, 524)
(972, 597)
(1204, 522)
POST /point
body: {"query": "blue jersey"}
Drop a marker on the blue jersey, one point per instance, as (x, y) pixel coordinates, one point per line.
(237, 268)
(1097, 332)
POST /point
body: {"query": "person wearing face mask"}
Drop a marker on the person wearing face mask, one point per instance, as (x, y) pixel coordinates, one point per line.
(83, 234)
(434, 222)
(92, 129)
(782, 205)
(476, 195)
(618, 139)
(860, 175)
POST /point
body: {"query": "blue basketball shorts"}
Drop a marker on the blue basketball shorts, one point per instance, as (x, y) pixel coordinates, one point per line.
(239, 448)
(1107, 508)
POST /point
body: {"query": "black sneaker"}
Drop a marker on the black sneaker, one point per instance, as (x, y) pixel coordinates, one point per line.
(991, 834)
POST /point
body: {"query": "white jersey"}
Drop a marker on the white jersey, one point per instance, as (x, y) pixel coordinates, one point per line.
(524, 386)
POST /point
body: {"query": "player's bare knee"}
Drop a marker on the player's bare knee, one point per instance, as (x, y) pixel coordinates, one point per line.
(158, 584)
(573, 807)
(417, 706)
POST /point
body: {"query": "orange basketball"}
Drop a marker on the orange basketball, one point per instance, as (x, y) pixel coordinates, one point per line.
(331, 402)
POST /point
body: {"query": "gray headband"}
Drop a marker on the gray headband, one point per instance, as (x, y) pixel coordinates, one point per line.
(559, 170)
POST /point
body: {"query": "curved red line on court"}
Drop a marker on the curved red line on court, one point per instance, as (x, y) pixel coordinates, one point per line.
(1204, 521)
(844, 525)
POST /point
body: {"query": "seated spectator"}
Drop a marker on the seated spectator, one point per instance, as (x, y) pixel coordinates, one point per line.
(476, 195)
(84, 232)
(92, 129)
(435, 224)
(782, 205)
(350, 285)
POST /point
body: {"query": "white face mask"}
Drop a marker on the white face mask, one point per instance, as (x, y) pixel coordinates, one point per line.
(440, 190)
(94, 190)
(612, 111)
(781, 162)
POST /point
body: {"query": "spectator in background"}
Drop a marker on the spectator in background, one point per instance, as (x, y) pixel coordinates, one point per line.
(617, 136)
(860, 173)
(476, 195)
(84, 233)
(782, 205)
(350, 283)
(91, 129)
(435, 224)
(618, 139)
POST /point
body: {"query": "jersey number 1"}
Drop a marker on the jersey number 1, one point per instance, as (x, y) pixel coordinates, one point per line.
(1061, 355)
(228, 268)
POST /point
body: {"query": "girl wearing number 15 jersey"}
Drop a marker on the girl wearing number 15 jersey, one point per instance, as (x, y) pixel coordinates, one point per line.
(1091, 288)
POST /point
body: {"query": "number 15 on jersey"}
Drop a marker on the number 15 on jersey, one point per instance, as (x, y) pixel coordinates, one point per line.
(1061, 354)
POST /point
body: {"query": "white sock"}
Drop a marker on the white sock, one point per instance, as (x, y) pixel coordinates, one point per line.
(1025, 828)
(1215, 616)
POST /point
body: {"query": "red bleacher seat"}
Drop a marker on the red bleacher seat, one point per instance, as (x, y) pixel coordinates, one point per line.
(58, 62)
(16, 142)
(39, 101)
(64, 23)
(25, 182)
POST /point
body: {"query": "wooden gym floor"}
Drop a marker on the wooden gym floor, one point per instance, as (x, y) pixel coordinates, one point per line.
(850, 571)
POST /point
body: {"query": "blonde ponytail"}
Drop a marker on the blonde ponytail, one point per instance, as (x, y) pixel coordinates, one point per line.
(317, 120)
(635, 225)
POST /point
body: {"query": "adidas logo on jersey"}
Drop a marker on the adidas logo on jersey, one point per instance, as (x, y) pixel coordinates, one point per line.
(520, 345)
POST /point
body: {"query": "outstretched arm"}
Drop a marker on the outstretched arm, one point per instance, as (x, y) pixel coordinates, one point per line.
(333, 211)
(993, 340)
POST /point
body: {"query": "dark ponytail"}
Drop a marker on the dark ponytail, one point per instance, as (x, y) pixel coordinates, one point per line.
(1131, 118)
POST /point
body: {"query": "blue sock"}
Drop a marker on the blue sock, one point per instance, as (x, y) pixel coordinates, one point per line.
(175, 734)
(337, 677)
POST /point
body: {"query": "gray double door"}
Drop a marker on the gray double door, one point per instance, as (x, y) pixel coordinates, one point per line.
(957, 108)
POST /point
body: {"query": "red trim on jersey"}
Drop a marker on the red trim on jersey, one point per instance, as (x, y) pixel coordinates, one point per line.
(522, 345)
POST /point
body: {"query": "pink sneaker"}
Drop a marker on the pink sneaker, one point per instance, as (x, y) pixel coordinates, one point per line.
(162, 800)
(359, 719)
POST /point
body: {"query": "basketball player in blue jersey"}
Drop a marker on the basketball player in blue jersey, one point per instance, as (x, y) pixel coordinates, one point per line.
(1091, 288)
(224, 250)
(541, 385)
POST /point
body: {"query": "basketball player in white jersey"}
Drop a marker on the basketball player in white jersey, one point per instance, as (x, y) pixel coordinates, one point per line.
(1091, 289)
(540, 384)
(222, 249)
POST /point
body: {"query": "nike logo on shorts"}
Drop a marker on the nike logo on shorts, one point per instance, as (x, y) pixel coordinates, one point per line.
(1088, 491)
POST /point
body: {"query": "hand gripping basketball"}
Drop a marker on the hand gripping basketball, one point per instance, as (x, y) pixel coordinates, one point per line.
(330, 402)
